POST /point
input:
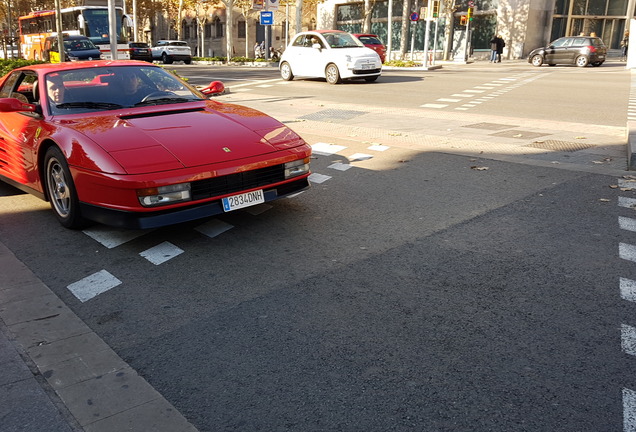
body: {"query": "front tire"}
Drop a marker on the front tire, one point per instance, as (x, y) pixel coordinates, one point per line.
(188, 61)
(537, 60)
(61, 190)
(332, 74)
(286, 72)
(581, 61)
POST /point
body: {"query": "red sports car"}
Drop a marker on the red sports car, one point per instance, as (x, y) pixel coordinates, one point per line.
(128, 144)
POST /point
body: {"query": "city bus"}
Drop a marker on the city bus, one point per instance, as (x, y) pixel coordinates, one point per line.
(89, 21)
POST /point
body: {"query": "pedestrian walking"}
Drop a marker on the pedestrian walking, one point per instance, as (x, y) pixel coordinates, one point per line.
(497, 45)
(624, 46)
(493, 49)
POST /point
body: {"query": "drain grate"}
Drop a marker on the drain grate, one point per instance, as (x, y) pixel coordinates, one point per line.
(489, 126)
(332, 114)
(519, 134)
(560, 146)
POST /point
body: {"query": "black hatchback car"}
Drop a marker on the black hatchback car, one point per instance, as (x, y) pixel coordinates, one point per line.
(140, 51)
(573, 50)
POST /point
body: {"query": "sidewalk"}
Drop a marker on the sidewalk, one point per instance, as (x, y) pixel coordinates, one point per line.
(57, 375)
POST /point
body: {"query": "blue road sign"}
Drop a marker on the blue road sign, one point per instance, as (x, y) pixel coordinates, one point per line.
(267, 17)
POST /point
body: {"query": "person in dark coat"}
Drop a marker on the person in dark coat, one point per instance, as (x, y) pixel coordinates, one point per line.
(500, 46)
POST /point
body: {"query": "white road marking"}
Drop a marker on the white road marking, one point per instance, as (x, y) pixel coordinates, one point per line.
(161, 253)
(628, 289)
(378, 147)
(258, 209)
(93, 285)
(627, 251)
(464, 95)
(474, 91)
(360, 157)
(629, 410)
(431, 105)
(318, 178)
(326, 149)
(628, 339)
(448, 100)
(626, 223)
(339, 166)
(214, 228)
(113, 237)
(627, 202)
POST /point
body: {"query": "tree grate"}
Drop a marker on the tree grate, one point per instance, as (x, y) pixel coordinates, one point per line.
(489, 126)
(560, 146)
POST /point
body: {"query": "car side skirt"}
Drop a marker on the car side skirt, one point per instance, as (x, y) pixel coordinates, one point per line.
(132, 220)
(23, 188)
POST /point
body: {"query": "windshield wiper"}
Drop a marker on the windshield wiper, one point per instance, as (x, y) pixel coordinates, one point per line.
(166, 100)
(98, 105)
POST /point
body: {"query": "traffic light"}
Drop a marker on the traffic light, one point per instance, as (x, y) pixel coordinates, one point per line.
(435, 8)
(463, 20)
(470, 14)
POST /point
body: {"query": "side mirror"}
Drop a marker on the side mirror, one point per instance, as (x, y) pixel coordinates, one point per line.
(15, 105)
(215, 88)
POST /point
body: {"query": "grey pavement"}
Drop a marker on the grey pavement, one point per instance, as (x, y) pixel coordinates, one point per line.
(56, 374)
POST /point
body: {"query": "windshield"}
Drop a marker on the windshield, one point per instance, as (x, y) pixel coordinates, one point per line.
(96, 26)
(78, 45)
(342, 40)
(114, 87)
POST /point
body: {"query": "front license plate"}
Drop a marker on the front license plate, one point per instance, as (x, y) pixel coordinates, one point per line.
(367, 66)
(243, 200)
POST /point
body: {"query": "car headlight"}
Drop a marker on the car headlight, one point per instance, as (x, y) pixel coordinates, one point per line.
(296, 168)
(164, 195)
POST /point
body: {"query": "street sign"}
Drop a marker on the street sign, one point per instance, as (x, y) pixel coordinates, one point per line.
(267, 17)
(414, 16)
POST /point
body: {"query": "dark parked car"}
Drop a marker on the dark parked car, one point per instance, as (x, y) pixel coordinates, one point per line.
(75, 48)
(140, 51)
(573, 50)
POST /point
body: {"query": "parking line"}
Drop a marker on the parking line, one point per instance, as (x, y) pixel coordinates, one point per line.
(161, 253)
(628, 289)
(629, 410)
(93, 285)
(627, 251)
(626, 223)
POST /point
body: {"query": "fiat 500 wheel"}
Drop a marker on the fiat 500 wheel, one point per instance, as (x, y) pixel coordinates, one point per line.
(332, 74)
(537, 60)
(286, 72)
(61, 190)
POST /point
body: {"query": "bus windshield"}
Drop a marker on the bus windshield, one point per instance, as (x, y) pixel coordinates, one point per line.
(96, 26)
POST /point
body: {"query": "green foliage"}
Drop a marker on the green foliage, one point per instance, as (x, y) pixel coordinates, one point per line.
(402, 63)
(7, 66)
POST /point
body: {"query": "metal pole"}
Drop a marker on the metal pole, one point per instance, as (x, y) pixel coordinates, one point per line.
(426, 31)
(389, 30)
(58, 29)
(412, 39)
(112, 29)
(435, 41)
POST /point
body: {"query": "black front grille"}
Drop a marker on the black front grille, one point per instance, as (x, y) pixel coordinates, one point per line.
(237, 182)
(366, 71)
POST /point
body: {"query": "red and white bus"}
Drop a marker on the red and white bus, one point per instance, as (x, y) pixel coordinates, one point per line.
(89, 21)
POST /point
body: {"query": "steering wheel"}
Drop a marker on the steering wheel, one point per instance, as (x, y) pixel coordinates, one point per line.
(158, 95)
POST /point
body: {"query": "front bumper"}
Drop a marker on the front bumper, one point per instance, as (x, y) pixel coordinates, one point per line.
(132, 220)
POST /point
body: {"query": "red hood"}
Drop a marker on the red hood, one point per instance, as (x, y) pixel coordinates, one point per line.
(184, 135)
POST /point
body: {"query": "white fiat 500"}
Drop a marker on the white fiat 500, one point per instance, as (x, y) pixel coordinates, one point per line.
(331, 54)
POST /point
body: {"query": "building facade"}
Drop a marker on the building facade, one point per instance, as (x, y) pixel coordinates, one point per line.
(523, 24)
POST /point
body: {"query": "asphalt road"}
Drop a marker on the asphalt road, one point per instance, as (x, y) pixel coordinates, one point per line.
(411, 291)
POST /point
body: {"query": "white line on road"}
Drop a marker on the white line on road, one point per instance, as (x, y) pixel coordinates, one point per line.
(628, 289)
(93, 285)
(629, 410)
(627, 202)
(627, 251)
(161, 253)
(448, 100)
(318, 178)
(113, 237)
(430, 105)
(628, 339)
(326, 149)
(214, 228)
(626, 223)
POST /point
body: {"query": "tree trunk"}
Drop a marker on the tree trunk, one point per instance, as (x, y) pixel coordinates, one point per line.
(299, 16)
(404, 37)
(179, 20)
(368, 8)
